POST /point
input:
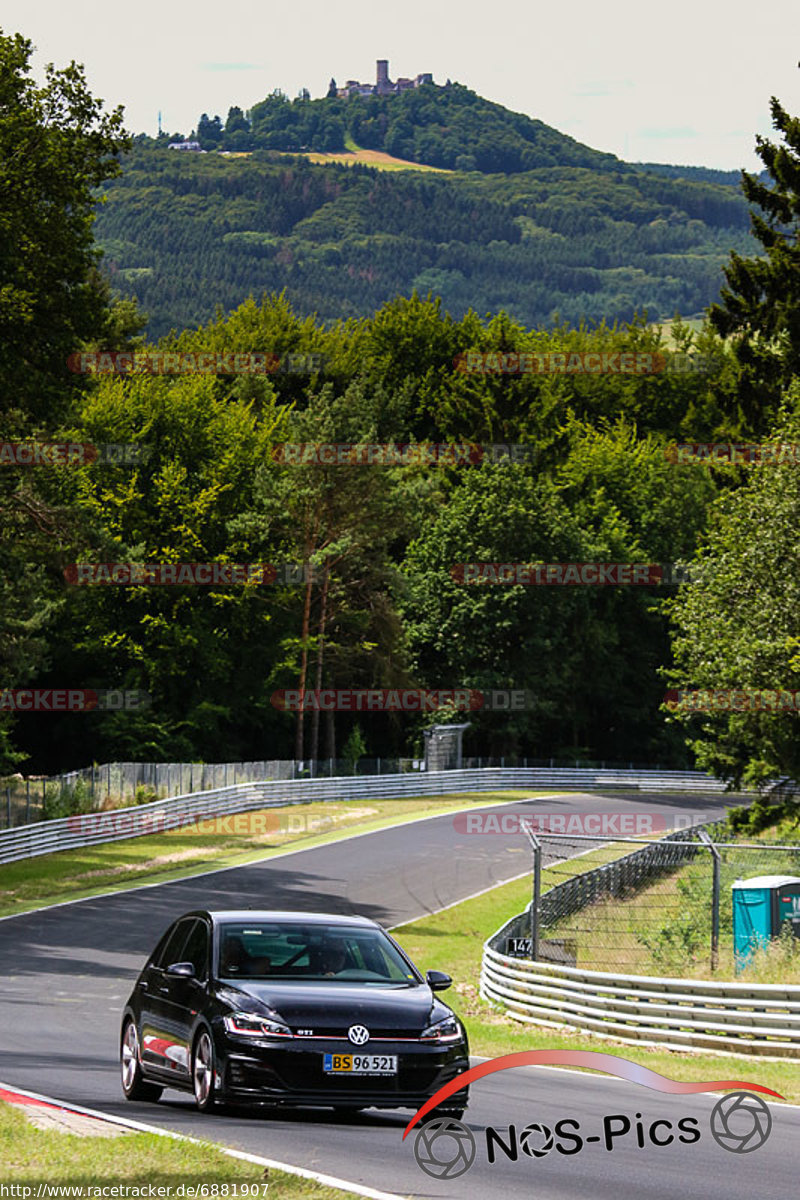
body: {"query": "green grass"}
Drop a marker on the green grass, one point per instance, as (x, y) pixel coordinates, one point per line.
(32, 1156)
(453, 941)
(180, 853)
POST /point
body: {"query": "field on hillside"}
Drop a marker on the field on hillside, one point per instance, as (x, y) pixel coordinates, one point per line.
(370, 158)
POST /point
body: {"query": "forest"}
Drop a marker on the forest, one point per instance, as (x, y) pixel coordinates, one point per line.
(379, 364)
(183, 233)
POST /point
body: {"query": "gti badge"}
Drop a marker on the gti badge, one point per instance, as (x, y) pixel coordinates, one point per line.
(358, 1034)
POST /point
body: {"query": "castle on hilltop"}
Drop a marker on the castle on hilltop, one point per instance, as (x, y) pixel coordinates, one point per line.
(383, 85)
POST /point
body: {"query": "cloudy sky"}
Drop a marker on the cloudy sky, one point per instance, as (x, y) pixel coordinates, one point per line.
(684, 82)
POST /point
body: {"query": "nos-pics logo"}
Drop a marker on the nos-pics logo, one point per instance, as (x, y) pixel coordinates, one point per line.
(445, 1148)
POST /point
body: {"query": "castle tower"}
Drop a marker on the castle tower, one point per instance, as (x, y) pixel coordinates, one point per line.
(382, 78)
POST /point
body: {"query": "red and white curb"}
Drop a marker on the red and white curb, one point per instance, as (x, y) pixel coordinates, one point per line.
(14, 1095)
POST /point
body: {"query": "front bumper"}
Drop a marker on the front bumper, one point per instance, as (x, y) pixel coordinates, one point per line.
(291, 1074)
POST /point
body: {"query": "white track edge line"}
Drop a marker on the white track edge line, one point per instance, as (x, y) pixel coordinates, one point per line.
(356, 1189)
(590, 1073)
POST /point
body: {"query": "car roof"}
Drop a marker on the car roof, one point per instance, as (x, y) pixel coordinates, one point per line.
(223, 916)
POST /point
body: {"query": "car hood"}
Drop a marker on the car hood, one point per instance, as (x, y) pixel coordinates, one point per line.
(339, 1005)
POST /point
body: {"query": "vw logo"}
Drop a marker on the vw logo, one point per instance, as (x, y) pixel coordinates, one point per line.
(358, 1034)
(741, 1122)
(444, 1148)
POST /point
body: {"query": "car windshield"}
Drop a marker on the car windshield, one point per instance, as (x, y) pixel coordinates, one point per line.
(288, 950)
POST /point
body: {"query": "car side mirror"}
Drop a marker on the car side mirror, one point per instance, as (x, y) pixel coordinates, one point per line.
(181, 970)
(438, 981)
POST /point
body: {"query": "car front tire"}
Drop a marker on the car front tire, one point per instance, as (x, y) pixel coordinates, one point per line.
(134, 1084)
(203, 1066)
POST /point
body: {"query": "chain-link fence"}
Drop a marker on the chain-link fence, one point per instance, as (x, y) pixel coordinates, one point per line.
(114, 785)
(662, 908)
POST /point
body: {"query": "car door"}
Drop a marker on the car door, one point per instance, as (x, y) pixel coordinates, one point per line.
(158, 1031)
(185, 996)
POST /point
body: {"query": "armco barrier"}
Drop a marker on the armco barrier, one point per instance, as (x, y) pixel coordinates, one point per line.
(67, 833)
(737, 1018)
(734, 1018)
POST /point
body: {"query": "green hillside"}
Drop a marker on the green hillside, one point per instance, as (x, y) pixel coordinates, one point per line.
(448, 126)
(185, 232)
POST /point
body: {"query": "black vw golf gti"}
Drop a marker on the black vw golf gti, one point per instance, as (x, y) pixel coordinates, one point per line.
(289, 1008)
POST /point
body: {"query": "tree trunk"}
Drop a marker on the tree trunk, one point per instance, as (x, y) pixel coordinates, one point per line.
(298, 741)
(323, 616)
(330, 734)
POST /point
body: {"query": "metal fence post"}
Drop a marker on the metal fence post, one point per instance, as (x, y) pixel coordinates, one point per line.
(536, 846)
(8, 807)
(27, 801)
(714, 898)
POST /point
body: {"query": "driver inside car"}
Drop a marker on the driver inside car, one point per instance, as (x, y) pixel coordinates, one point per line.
(333, 959)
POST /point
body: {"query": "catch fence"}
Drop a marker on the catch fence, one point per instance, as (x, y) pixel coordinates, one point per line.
(663, 908)
(115, 785)
(641, 947)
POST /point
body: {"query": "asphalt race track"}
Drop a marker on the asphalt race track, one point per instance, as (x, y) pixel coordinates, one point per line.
(66, 972)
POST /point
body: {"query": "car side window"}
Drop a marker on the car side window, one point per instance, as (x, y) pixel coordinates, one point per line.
(196, 949)
(171, 950)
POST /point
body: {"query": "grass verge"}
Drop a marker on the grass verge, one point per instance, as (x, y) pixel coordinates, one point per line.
(33, 1156)
(453, 941)
(181, 853)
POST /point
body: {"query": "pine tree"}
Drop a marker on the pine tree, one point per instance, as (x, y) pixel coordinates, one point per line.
(760, 307)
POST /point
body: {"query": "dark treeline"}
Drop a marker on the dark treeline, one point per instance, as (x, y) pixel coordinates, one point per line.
(386, 611)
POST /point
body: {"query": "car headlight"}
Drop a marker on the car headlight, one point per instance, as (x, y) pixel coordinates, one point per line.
(251, 1025)
(447, 1030)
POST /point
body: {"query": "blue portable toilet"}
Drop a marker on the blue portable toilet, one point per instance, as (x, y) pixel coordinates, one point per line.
(760, 907)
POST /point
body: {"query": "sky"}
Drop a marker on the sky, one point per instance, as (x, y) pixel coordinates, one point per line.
(687, 82)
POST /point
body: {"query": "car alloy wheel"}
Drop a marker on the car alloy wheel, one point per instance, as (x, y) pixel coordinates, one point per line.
(133, 1083)
(203, 1071)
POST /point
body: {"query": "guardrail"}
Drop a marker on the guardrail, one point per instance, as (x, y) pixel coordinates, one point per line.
(67, 833)
(738, 1018)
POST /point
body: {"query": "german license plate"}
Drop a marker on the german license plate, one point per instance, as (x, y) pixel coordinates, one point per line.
(360, 1064)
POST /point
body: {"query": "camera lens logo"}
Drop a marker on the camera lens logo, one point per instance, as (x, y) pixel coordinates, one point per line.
(536, 1140)
(741, 1122)
(444, 1148)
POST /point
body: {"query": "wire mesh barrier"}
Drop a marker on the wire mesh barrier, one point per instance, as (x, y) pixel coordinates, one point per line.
(626, 947)
(88, 827)
(665, 908)
(111, 785)
(24, 800)
(115, 785)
